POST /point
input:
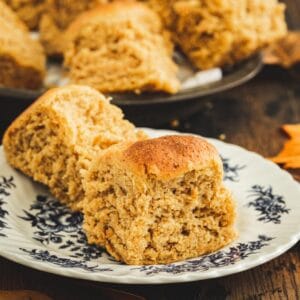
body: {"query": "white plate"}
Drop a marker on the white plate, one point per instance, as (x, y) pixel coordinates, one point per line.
(36, 231)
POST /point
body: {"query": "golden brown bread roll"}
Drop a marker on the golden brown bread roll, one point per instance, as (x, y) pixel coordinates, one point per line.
(158, 201)
(22, 60)
(216, 33)
(56, 138)
(120, 47)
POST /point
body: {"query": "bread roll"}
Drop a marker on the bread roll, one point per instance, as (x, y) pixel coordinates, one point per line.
(120, 47)
(217, 33)
(22, 60)
(158, 201)
(56, 138)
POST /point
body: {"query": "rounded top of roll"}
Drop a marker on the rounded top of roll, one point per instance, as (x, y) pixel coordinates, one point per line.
(169, 156)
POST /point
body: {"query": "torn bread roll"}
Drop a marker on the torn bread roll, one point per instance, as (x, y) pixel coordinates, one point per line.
(55, 139)
(158, 201)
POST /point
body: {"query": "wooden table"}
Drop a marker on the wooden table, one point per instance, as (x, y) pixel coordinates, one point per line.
(250, 116)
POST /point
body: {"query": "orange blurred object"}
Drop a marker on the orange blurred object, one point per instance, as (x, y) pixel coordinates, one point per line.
(290, 154)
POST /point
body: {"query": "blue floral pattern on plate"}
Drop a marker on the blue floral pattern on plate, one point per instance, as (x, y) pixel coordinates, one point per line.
(231, 171)
(6, 184)
(55, 223)
(271, 207)
(204, 263)
(45, 256)
(215, 260)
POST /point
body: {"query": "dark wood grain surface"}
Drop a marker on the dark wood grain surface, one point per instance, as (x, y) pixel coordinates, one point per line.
(250, 116)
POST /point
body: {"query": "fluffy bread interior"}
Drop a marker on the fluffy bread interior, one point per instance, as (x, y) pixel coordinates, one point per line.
(55, 140)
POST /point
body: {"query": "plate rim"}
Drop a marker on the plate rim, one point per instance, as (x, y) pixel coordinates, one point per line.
(164, 278)
(253, 65)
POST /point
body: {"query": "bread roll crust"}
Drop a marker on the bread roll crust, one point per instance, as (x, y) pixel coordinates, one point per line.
(168, 157)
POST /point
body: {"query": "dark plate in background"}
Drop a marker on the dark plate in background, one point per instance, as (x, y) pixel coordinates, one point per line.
(232, 77)
(147, 109)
